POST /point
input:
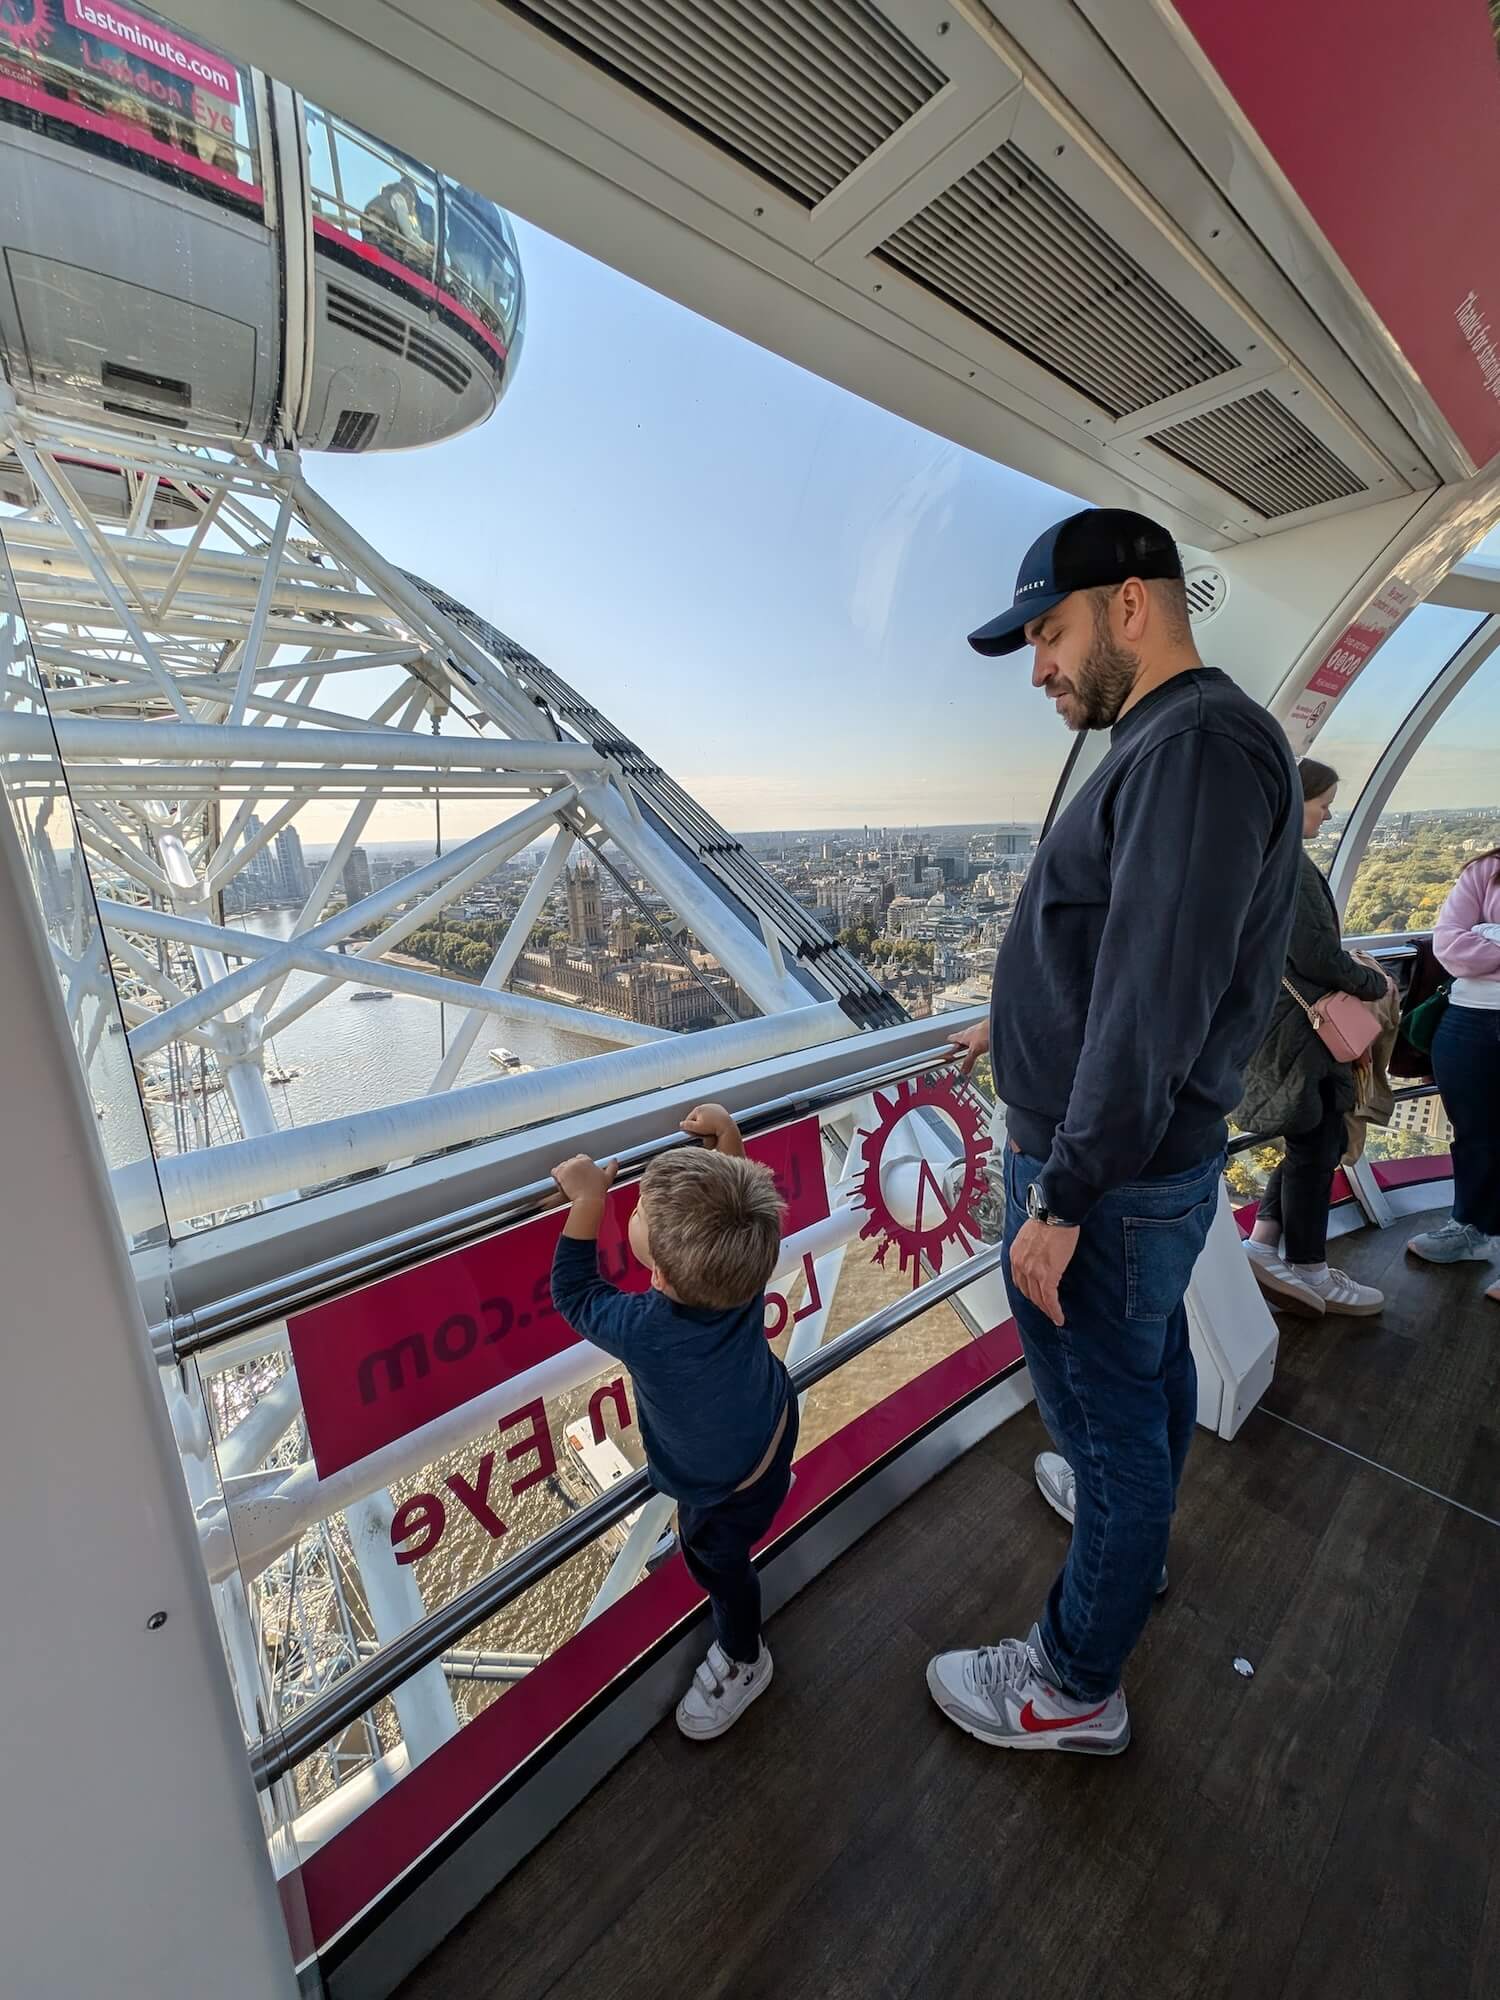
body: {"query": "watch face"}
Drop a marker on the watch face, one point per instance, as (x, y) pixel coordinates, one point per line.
(1034, 1200)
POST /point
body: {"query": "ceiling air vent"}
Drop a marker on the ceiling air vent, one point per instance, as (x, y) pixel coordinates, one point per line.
(354, 430)
(1207, 589)
(1258, 451)
(1010, 249)
(800, 92)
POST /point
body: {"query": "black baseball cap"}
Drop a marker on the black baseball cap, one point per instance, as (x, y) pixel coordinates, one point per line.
(1101, 545)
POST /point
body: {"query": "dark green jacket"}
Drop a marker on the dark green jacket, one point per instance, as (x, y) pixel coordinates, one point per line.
(1283, 1083)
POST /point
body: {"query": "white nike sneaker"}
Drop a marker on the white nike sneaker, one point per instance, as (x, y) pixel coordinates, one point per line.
(720, 1693)
(1004, 1695)
(1056, 1483)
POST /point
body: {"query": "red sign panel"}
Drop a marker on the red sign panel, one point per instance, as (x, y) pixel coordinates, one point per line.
(1346, 658)
(1385, 118)
(380, 1362)
(156, 42)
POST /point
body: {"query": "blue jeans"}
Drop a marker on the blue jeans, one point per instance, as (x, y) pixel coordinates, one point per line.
(1117, 1390)
(1466, 1066)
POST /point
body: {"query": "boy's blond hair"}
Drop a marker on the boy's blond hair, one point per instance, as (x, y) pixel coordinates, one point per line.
(714, 1223)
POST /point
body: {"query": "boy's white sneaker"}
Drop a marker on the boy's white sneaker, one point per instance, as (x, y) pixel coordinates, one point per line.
(720, 1693)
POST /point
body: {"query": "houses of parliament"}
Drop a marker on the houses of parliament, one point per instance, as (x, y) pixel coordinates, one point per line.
(607, 968)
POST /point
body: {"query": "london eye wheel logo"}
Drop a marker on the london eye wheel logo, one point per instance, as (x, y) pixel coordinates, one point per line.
(912, 1203)
(26, 24)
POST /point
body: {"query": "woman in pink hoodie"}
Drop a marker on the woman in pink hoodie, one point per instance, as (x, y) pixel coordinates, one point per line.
(1466, 1066)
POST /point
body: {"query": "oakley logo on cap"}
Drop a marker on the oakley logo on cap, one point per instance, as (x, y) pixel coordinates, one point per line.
(1098, 547)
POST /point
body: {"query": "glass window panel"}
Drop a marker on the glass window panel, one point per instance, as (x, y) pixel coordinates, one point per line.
(385, 199)
(1443, 811)
(479, 260)
(739, 563)
(1355, 736)
(755, 630)
(322, 180)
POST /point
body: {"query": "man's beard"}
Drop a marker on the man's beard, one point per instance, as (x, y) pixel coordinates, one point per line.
(1104, 681)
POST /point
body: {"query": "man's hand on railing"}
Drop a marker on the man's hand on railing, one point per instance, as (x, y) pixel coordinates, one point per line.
(974, 1043)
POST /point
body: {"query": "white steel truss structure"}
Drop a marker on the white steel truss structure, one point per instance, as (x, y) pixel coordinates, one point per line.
(221, 652)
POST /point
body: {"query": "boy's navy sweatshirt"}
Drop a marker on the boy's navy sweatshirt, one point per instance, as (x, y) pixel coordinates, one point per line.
(708, 1388)
(1146, 951)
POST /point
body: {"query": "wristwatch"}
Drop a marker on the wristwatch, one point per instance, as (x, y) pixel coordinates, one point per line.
(1038, 1210)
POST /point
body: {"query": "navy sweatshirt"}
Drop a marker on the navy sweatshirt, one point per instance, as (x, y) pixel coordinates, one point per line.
(1146, 951)
(708, 1388)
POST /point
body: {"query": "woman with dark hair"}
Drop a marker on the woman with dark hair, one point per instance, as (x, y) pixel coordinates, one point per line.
(1466, 1065)
(1297, 1088)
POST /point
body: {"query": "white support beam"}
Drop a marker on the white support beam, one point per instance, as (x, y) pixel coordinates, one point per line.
(354, 826)
(328, 782)
(423, 1705)
(145, 969)
(507, 952)
(250, 1170)
(222, 866)
(185, 561)
(232, 743)
(507, 838)
(511, 707)
(346, 968)
(411, 919)
(108, 842)
(255, 638)
(64, 504)
(740, 951)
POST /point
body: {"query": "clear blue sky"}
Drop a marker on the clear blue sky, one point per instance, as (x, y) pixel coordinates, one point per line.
(767, 581)
(762, 578)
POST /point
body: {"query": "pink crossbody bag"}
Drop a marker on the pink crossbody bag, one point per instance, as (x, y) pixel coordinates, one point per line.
(1346, 1027)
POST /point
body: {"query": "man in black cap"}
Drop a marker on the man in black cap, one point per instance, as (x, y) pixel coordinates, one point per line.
(1134, 983)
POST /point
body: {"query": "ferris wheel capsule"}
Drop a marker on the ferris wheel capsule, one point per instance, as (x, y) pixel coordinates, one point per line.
(194, 248)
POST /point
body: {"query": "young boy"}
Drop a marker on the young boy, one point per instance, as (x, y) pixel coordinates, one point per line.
(716, 1407)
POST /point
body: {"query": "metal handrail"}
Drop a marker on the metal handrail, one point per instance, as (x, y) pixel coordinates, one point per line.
(280, 1750)
(190, 1333)
(183, 1335)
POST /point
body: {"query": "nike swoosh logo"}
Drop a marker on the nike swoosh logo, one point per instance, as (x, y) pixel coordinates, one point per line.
(1036, 1725)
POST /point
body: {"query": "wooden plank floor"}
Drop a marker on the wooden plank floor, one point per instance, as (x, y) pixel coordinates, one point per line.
(1328, 1830)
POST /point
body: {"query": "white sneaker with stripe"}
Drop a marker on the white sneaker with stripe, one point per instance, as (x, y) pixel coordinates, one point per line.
(720, 1693)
